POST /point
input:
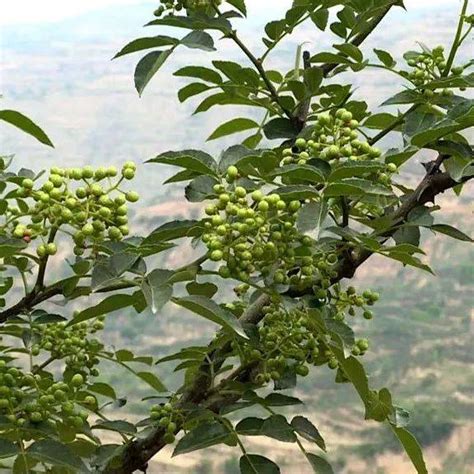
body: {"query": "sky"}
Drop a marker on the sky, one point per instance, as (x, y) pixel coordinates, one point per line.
(55, 67)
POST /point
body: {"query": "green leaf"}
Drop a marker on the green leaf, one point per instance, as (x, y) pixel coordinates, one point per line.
(191, 90)
(256, 464)
(313, 77)
(103, 389)
(194, 160)
(194, 22)
(198, 40)
(278, 428)
(297, 192)
(385, 58)
(320, 18)
(307, 430)
(280, 128)
(350, 50)
(412, 448)
(239, 5)
(380, 121)
(147, 67)
(206, 434)
(152, 380)
(319, 464)
(405, 97)
(146, 43)
(400, 156)
(300, 173)
(171, 231)
(200, 188)
(311, 217)
(199, 72)
(250, 426)
(451, 231)
(108, 305)
(120, 426)
(212, 311)
(281, 400)
(354, 169)
(8, 449)
(233, 126)
(330, 58)
(156, 289)
(58, 454)
(9, 247)
(25, 124)
(203, 289)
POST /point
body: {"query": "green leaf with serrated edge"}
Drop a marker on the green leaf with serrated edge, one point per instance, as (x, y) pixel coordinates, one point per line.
(412, 448)
(26, 125)
(103, 389)
(278, 428)
(171, 231)
(146, 43)
(191, 90)
(212, 311)
(206, 434)
(108, 305)
(198, 21)
(301, 173)
(307, 430)
(385, 58)
(233, 126)
(156, 289)
(354, 169)
(399, 157)
(200, 188)
(199, 72)
(319, 464)
(280, 400)
(408, 259)
(120, 426)
(313, 77)
(297, 192)
(451, 231)
(256, 464)
(147, 67)
(198, 40)
(8, 449)
(405, 97)
(194, 160)
(56, 453)
(350, 50)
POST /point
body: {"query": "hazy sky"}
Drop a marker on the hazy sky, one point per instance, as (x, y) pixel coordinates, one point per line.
(56, 68)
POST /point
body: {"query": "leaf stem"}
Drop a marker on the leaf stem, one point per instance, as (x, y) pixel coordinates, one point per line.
(456, 41)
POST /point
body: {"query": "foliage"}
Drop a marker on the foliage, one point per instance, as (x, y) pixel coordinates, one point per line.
(285, 224)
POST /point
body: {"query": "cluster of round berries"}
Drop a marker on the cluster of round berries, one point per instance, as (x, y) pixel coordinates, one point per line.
(71, 344)
(250, 234)
(172, 6)
(167, 417)
(428, 66)
(348, 300)
(334, 137)
(28, 398)
(95, 209)
(288, 338)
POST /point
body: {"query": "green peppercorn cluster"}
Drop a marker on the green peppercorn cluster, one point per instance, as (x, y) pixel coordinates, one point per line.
(29, 399)
(289, 339)
(428, 66)
(86, 200)
(71, 344)
(349, 301)
(250, 232)
(167, 417)
(175, 6)
(335, 139)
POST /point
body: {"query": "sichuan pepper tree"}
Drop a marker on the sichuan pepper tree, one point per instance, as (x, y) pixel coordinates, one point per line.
(286, 222)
